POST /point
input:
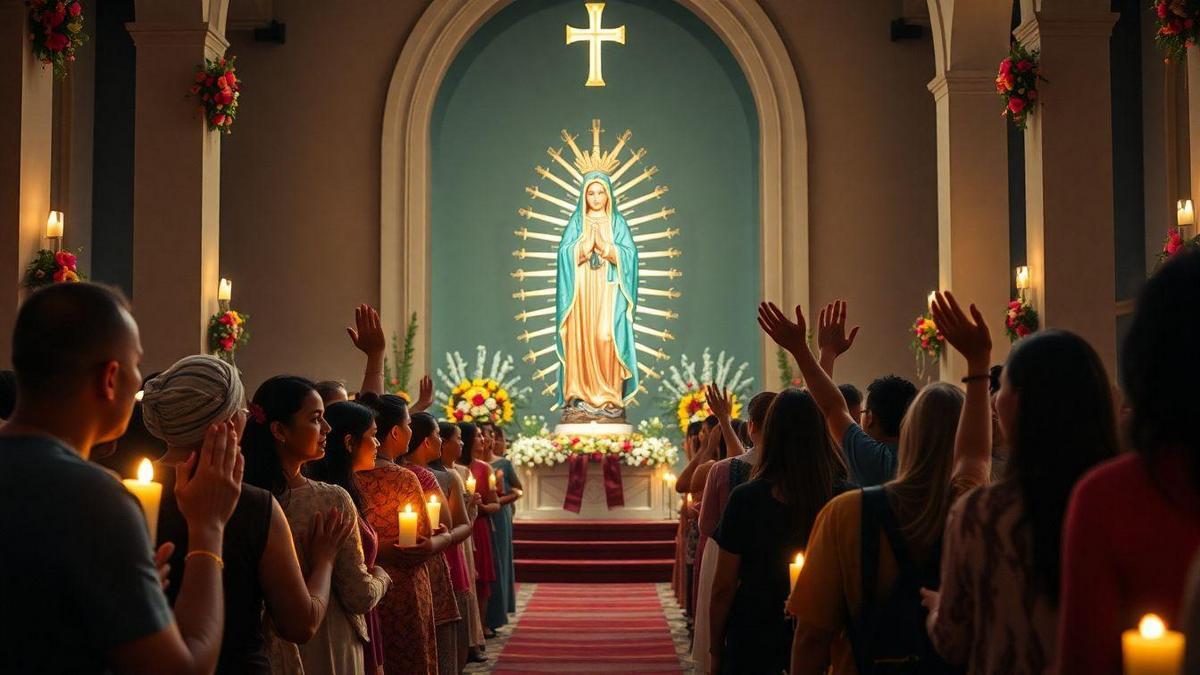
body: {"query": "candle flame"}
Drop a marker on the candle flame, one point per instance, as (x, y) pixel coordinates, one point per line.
(800, 559)
(145, 471)
(1151, 627)
(408, 508)
(433, 499)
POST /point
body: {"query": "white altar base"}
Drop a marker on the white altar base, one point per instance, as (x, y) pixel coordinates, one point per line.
(646, 495)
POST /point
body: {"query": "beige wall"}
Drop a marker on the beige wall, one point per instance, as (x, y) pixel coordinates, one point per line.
(300, 196)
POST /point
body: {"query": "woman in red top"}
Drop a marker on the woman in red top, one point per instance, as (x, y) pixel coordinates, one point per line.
(485, 566)
(1133, 524)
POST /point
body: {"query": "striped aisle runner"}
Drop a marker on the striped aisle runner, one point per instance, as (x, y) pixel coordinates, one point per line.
(591, 628)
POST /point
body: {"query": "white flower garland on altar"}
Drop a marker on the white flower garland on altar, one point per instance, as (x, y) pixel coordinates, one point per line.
(646, 447)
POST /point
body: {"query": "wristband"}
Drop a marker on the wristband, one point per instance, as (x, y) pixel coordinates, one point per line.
(205, 554)
(976, 378)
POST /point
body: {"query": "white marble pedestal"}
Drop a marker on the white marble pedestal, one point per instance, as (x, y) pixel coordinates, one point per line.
(646, 496)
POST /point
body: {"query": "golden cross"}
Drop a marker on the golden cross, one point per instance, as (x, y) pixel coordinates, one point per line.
(594, 35)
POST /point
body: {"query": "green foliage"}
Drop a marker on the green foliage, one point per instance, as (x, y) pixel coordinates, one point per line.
(397, 370)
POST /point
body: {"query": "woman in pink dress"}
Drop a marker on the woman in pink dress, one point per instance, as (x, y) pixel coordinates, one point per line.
(485, 565)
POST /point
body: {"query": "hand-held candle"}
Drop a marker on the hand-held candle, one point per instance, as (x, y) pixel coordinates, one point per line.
(435, 512)
(794, 568)
(408, 527)
(149, 494)
(1152, 649)
(471, 483)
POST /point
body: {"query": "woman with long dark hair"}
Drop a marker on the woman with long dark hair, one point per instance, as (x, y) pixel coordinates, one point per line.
(473, 452)
(461, 512)
(350, 447)
(424, 445)
(998, 604)
(1133, 524)
(287, 430)
(766, 521)
(407, 612)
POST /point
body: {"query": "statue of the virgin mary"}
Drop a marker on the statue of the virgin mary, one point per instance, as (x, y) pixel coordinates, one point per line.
(596, 298)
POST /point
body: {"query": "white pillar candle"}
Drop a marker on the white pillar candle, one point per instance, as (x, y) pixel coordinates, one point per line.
(1022, 277)
(149, 494)
(1184, 214)
(54, 225)
(794, 568)
(408, 527)
(434, 507)
(1152, 649)
(225, 290)
(931, 298)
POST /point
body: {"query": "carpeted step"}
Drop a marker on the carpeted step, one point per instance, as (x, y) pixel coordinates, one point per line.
(593, 530)
(594, 571)
(593, 550)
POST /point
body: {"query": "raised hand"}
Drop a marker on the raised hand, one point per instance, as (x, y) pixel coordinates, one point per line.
(831, 329)
(208, 484)
(327, 533)
(718, 402)
(786, 333)
(425, 395)
(968, 335)
(367, 335)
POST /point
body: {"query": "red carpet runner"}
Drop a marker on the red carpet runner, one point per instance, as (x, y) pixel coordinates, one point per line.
(591, 628)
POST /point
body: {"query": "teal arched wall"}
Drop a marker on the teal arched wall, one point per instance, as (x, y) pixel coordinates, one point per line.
(509, 92)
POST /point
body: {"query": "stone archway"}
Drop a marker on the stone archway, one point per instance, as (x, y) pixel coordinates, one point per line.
(405, 169)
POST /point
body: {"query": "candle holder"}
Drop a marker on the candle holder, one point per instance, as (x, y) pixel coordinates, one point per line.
(54, 230)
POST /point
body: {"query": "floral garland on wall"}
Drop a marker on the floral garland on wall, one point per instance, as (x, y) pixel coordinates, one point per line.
(1020, 319)
(1178, 23)
(51, 267)
(648, 446)
(55, 32)
(218, 88)
(1174, 244)
(1017, 83)
(227, 333)
(927, 341)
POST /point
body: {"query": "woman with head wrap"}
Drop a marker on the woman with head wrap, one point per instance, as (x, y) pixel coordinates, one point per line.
(261, 567)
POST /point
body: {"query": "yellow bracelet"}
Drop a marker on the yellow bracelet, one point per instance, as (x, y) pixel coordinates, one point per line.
(205, 554)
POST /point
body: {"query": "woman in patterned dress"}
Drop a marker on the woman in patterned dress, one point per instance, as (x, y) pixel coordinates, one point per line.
(286, 430)
(407, 612)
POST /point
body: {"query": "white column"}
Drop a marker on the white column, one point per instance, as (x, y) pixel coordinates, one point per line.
(972, 161)
(1068, 179)
(25, 141)
(176, 209)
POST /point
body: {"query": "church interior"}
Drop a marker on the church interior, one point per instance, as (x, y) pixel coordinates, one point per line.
(552, 336)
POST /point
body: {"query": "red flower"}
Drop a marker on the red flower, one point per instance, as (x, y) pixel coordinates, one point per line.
(221, 82)
(478, 400)
(627, 446)
(1005, 66)
(56, 42)
(195, 89)
(575, 441)
(1024, 65)
(227, 318)
(218, 119)
(1022, 330)
(458, 415)
(75, 10)
(1174, 242)
(53, 19)
(231, 78)
(227, 344)
(208, 81)
(65, 259)
(1015, 304)
(226, 96)
(1016, 105)
(1161, 10)
(200, 76)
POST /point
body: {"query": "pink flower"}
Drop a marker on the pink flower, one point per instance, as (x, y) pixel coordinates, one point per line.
(1005, 66)
(1022, 330)
(1161, 10)
(56, 42)
(53, 19)
(75, 10)
(1016, 105)
(1174, 242)
(1015, 304)
(65, 259)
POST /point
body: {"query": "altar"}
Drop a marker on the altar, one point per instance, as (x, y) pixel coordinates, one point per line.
(647, 496)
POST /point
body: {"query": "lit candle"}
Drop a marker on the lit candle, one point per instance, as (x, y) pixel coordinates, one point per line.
(471, 483)
(225, 290)
(669, 478)
(500, 479)
(931, 298)
(492, 482)
(795, 567)
(54, 225)
(408, 527)
(1022, 277)
(1152, 649)
(149, 493)
(435, 511)
(1184, 214)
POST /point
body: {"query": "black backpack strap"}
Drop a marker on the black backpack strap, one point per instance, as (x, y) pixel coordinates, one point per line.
(873, 500)
(904, 561)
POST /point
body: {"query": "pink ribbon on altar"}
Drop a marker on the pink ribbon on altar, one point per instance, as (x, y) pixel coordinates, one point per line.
(576, 479)
(613, 491)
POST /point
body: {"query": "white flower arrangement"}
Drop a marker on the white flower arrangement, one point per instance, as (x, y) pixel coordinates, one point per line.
(639, 449)
(683, 391)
